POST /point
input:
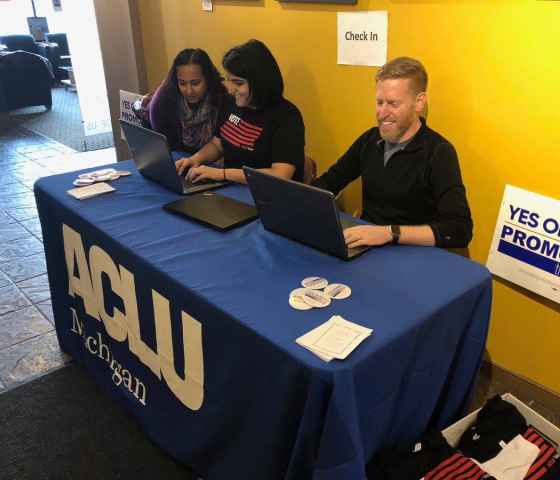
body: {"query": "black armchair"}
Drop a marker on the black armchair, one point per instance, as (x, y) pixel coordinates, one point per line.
(62, 42)
(25, 80)
(20, 42)
(28, 44)
(61, 54)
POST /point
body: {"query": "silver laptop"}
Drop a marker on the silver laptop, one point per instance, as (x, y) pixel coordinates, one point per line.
(154, 161)
(301, 212)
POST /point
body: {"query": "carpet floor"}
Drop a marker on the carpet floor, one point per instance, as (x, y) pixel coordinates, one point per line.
(62, 426)
(63, 123)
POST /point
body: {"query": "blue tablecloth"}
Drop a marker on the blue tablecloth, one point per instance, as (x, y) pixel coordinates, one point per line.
(260, 406)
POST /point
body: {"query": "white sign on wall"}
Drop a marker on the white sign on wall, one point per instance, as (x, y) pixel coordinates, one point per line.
(526, 246)
(362, 38)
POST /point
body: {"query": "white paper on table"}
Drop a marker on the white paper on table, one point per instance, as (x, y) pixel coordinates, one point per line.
(341, 338)
(322, 356)
(307, 340)
(82, 193)
(336, 338)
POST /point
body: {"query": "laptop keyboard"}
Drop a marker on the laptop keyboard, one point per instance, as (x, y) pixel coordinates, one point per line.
(188, 183)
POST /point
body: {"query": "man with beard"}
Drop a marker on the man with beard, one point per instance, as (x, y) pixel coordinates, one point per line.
(412, 191)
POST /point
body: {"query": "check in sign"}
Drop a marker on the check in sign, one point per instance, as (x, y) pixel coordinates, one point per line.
(362, 38)
(526, 245)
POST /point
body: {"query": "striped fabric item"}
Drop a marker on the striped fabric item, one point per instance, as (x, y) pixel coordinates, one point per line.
(545, 460)
(240, 133)
(457, 467)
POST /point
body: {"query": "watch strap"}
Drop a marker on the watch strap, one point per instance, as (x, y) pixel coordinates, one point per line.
(395, 234)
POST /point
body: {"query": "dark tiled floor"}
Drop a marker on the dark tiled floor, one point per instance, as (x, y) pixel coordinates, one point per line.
(24, 268)
(28, 344)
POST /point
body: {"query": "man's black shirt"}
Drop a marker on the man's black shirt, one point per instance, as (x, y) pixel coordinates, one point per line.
(420, 185)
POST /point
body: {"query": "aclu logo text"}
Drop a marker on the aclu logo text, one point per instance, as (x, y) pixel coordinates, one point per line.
(85, 277)
(95, 345)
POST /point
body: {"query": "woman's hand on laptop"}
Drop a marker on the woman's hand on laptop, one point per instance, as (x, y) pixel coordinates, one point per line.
(211, 152)
(203, 172)
(183, 164)
(364, 235)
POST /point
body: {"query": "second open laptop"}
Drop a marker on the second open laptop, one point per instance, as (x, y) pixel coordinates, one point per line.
(154, 161)
(303, 213)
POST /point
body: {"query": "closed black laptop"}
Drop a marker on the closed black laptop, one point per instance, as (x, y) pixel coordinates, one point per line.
(216, 211)
(153, 160)
(303, 213)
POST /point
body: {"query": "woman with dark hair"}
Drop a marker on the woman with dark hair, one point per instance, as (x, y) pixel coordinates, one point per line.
(262, 130)
(189, 105)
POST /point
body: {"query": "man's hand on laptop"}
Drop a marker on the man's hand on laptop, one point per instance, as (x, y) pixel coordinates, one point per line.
(363, 235)
(183, 164)
(203, 172)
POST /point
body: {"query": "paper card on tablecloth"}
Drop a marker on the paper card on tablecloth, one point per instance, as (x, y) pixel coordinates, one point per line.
(307, 339)
(341, 338)
(322, 356)
(81, 193)
(336, 338)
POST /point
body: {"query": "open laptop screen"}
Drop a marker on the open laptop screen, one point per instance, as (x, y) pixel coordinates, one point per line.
(154, 160)
(301, 212)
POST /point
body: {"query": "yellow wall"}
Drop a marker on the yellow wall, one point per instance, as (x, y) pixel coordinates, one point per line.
(494, 91)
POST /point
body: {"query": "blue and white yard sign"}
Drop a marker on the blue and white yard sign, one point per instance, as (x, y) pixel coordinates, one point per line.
(127, 99)
(526, 245)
